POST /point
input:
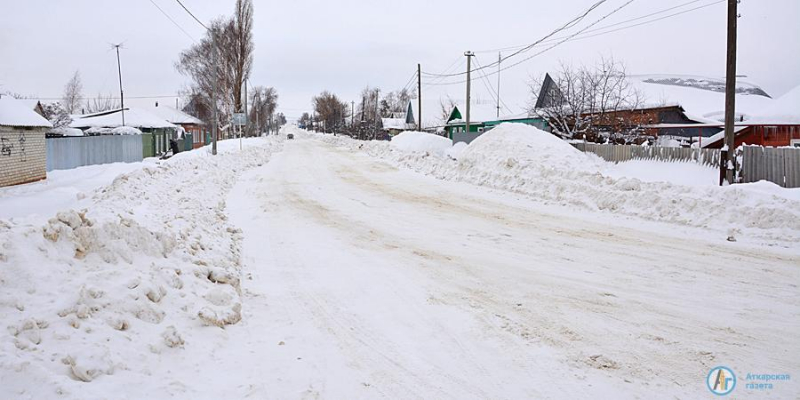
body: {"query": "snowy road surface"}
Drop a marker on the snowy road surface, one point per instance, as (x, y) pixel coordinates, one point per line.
(364, 281)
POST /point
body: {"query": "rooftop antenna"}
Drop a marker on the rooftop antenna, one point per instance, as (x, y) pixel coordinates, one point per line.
(121, 95)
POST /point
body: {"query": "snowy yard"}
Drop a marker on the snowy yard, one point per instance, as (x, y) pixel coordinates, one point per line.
(323, 267)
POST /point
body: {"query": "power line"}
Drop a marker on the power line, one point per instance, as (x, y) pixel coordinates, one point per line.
(602, 27)
(173, 21)
(571, 23)
(578, 36)
(495, 96)
(190, 13)
(602, 31)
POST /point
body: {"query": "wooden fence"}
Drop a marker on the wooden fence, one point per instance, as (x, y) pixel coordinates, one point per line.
(621, 153)
(778, 165)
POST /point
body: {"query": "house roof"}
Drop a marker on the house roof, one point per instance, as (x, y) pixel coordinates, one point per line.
(135, 117)
(700, 96)
(785, 110)
(394, 123)
(173, 115)
(18, 114)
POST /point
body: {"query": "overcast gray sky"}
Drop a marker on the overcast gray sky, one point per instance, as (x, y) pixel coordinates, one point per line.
(306, 46)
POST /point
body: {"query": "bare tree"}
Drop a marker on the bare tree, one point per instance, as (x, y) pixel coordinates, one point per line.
(446, 106)
(305, 120)
(263, 102)
(102, 103)
(230, 42)
(331, 111)
(73, 93)
(587, 101)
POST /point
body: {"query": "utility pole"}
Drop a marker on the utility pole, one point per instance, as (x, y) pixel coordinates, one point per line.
(352, 114)
(121, 95)
(727, 160)
(469, 56)
(419, 97)
(214, 131)
(499, 60)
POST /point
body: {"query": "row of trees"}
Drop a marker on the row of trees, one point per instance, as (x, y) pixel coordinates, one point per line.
(360, 119)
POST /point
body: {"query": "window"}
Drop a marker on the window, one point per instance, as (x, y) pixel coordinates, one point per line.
(480, 129)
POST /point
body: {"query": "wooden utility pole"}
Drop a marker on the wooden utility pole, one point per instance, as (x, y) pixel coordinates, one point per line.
(499, 60)
(121, 95)
(352, 114)
(469, 55)
(727, 160)
(419, 97)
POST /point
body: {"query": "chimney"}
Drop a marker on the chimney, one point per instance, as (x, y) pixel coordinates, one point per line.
(156, 104)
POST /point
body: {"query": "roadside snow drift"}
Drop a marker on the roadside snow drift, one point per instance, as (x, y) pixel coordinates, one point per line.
(526, 160)
(116, 289)
(421, 142)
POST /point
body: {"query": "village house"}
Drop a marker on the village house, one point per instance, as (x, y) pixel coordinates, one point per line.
(399, 122)
(23, 154)
(483, 117)
(191, 125)
(775, 126)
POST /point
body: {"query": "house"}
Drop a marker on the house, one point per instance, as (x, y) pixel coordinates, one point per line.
(190, 124)
(401, 121)
(23, 154)
(775, 126)
(483, 117)
(684, 108)
(138, 118)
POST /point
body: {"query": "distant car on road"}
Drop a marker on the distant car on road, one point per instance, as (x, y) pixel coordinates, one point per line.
(290, 136)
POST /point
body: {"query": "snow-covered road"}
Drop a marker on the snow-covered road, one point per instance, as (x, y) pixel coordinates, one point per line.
(365, 281)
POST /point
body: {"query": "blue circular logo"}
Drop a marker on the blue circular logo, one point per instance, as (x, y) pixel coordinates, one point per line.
(721, 380)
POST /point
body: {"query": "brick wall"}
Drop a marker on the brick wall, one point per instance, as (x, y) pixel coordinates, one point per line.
(22, 155)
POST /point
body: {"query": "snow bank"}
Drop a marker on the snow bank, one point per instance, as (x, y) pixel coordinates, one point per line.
(421, 142)
(527, 161)
(105, 296)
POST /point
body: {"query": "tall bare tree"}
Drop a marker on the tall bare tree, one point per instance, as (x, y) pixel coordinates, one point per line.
(73, 93)
(263, 102)
(230, 42)
(587, 100)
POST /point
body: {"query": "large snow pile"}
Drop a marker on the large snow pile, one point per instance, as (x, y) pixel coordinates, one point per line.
(421, 142)
(105, 296)
(527, 161)
(514, 144)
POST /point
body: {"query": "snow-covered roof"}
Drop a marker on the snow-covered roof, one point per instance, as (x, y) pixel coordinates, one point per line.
(784, 110)
(135, 117)
(64, 131)
(394, 123)
(700, 96)
(174, 115)
(16, 113)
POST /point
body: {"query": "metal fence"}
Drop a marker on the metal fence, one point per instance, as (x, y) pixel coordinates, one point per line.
(73, 152)
(777, 165)
(621, 153)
